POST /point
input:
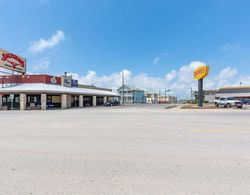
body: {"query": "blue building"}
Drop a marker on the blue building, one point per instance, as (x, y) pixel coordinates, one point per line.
(131, 94)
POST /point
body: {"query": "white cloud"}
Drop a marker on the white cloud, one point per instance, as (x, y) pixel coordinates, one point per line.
(42, 44)
(244, 80)
(185, 73)
(170, 76)
(156, 60)
(227, 73)
(179, 80)
(41, 65)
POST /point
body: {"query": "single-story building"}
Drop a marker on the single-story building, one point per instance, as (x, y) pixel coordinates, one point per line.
(151, 98)
(242, 92)
(21, 92)
(167, 99)
(209, 95)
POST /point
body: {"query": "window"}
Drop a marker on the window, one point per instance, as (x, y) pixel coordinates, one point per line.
(231, 98)
(17, 99)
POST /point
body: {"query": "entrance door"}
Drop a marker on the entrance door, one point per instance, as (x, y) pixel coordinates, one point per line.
(74, 101)
(99, 101)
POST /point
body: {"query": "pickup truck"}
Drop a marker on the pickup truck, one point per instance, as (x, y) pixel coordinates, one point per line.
(228, 102)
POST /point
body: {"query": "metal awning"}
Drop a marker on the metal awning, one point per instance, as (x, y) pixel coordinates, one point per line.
(56, 89)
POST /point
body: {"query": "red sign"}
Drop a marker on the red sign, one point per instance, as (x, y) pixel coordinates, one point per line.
(12, 61)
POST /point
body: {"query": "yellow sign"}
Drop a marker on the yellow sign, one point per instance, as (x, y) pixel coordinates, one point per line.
(201, 72)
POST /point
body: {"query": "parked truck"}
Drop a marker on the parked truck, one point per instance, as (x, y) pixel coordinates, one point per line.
(228, 102)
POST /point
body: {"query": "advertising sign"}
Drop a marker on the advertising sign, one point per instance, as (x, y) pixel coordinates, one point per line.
(201, 72)
(53, 80)
(66, 81)
(74, 83)
(12, 61)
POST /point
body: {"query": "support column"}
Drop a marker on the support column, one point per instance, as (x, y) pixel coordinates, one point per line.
(23, 101)
(80, 101)
(94, 101)
(1, 101)
(43, 101)
(64, 101)
(69, 97)
(105, 99)
(200, 92)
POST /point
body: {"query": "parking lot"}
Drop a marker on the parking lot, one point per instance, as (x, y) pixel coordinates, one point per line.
(125, 150)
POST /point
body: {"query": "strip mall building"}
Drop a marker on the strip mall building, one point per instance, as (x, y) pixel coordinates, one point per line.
(30, 92)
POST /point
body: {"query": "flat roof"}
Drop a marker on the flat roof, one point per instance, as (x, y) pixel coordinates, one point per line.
(234, 90)
(57, 89)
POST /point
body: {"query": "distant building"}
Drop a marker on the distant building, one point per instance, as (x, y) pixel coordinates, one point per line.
(151, 98)
(209, 95)
(237, 92)
(167, 99)
(131, 94)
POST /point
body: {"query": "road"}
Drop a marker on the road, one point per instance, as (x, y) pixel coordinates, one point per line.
(125, 150)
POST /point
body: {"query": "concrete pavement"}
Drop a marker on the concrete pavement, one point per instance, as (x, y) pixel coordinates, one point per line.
(125, 150)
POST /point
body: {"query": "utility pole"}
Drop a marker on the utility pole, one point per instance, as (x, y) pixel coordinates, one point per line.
(165, 95)
(191, 91)
(159, 99)
(169, 90)
(123, 87)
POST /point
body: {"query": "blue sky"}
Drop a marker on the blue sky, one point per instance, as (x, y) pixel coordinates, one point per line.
(153, 40)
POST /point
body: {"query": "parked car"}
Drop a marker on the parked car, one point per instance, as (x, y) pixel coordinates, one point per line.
(112, 103)
(247, 102)
(228, 102)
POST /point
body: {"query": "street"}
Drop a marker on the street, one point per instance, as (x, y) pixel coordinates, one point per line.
(125, 150)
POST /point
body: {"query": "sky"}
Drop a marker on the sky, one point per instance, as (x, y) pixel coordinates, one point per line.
(156, 43)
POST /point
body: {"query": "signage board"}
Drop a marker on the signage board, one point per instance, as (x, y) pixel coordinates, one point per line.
(53, 80)
(74, 83)
(66, 81)
(201, 72)
(12, 61)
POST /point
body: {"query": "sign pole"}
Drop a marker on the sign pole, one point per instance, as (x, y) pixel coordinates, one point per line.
(200, 92)
(199, 74)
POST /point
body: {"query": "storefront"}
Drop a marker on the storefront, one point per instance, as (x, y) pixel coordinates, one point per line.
(33, 102)
(242, 92)
(46, 96)
(74, 101)
(11, 102)
(99, 101)
(87, 101)
(53, 101)
(41, 92)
